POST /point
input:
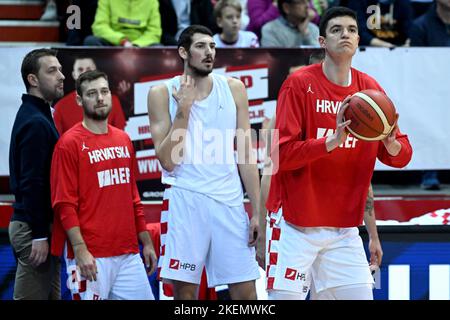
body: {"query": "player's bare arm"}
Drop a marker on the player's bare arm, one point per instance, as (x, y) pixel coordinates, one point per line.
(85, 260)
(161, 126)
(376, 253)
(148, 251)
(265, 186)
(335, 140)
(246, 161)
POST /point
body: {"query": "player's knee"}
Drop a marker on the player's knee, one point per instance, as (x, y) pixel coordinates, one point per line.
(184, 291)
(243, 291)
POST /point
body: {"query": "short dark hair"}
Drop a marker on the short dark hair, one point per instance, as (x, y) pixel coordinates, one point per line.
(88, 76)
(280, 5)
(333, 13)
(82, 57)
(31, 64)
(185, 39)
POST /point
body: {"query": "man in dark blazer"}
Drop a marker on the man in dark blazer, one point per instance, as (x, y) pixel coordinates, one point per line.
(33, 138)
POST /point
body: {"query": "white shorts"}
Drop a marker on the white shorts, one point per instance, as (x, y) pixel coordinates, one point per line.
(118, 278)
(198, 232)
(330, 257)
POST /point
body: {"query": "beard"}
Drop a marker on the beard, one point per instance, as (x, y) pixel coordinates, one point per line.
(196, 70)
(97, 115)
(199, 72)
(52, 94)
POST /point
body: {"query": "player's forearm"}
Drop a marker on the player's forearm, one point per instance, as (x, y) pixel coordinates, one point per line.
(171, 150)
(296, 154)
(265, 186)
(369, 216)
(144, 238)
(250, 178)
(76, 238)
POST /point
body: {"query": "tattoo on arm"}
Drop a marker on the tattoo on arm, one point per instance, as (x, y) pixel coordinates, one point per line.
(369, 204)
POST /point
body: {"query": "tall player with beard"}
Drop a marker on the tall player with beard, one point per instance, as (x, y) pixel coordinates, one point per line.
(324, 174)
(194, 119)
(97, 205)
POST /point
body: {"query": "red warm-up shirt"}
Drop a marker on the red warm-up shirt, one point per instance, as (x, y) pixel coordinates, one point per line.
(317, 188)
(93, 186)
(68, 113)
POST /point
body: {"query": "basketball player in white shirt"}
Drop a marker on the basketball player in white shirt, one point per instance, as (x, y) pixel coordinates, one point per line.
(194, 119)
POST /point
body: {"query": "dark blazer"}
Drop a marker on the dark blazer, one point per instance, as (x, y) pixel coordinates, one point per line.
(33, 138)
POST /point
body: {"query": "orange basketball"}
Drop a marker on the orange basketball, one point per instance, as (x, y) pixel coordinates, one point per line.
(372, 114)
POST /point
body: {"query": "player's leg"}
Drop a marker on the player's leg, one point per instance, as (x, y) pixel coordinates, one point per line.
(230, 260)
(342, 266)
(131, 281)
(184, 290)
(243, 290)
(185, 240)
(350, 292)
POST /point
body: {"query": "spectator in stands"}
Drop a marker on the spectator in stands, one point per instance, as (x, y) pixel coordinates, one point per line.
(190, 12)
(292, 29)
(68, 112)
(228, 17)
(244, 15)
(33, 138)
(126, 23)
(313, 12)
(88, 8)
(392, 30)
(420, 7)
(319, 7)
(55, 11)
(168, 23)
(432, 30)
(260, 12)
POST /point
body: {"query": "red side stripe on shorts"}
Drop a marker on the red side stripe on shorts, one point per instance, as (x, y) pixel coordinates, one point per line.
(163, 250)
(165, 205)
(272, 222)
(270, 282)
(76, 296)
(273, 258)
(82, 286)
(276, 233)
(163, 227)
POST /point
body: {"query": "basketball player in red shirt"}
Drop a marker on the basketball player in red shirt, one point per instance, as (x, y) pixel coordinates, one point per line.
(324, 173)
(97, 205)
